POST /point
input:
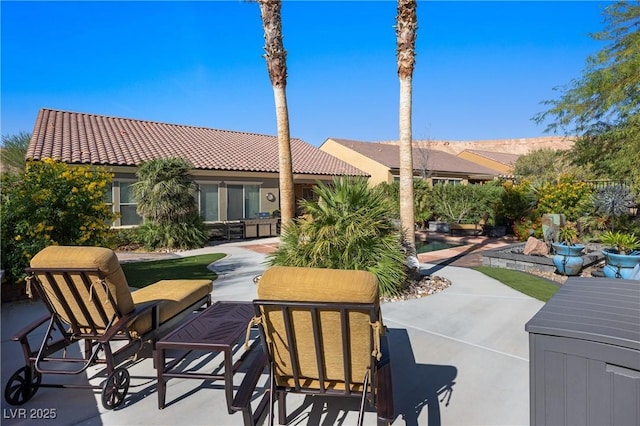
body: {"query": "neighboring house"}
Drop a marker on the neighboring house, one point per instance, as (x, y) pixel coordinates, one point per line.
(501, 161)
(382, 162)
(236, 172)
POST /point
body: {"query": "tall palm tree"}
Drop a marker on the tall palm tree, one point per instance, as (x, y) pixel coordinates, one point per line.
(276, 58)
(406, 27)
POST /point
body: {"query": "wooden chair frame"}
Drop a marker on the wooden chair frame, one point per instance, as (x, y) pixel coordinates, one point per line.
(50, 357)
(377, 385)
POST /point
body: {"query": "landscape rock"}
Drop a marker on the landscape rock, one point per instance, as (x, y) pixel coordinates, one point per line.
(535, 247)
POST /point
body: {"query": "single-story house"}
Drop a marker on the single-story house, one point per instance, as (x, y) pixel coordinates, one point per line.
(382, 162)
(236, 172)
(504, 162)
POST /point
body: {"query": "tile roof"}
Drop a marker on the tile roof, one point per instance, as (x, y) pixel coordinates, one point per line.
(81, 138)
(500, 157)
(439, 161)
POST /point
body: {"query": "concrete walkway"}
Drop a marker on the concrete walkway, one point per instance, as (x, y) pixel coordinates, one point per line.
(459, 357)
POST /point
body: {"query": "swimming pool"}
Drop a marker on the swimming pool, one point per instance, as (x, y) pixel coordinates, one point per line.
(434, 245)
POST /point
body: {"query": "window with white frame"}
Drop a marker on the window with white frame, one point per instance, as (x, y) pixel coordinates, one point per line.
(209, 202)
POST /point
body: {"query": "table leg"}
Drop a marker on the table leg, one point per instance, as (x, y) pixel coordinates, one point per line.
(162, 386)
(228, 378)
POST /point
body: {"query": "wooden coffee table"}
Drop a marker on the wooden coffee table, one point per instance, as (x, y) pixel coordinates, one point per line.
(216, 329)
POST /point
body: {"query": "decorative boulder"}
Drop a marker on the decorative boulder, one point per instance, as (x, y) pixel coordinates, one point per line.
(535, 247)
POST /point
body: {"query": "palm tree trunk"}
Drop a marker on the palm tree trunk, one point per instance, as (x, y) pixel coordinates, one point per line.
(276, 58)
(287, 195)
(407, 215)
(406, 26)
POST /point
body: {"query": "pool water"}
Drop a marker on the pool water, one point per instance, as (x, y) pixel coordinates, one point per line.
(433, 245)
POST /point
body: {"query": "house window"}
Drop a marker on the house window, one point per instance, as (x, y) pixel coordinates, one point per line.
(128, 206)
(436, 181)
(209, 202)
(243, 201)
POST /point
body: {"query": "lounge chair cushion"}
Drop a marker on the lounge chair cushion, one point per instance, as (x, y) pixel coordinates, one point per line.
(104, 259)
(319, 285)
(176, 295)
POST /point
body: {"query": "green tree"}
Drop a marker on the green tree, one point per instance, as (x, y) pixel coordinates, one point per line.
(166, 197)
(14, 151)
(603, 106)
(543, 164)
(276, 58)
(423, 208)
(51, 203)
(458, 203)
(349, 226)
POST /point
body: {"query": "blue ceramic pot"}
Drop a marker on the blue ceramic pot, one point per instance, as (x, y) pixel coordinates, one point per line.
(619, 265)
(568, 259)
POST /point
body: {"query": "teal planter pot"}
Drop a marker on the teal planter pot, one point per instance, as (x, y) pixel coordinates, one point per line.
(620, 265)
(568, 259)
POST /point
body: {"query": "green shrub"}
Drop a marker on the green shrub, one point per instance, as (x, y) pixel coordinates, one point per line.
(423, 203)
(569, 197)
(516, 202)
(349, 227)
(128, 238)
(457, 203)
(51, 203)
(183, 235)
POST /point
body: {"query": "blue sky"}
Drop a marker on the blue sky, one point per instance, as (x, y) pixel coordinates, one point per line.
(482, 70)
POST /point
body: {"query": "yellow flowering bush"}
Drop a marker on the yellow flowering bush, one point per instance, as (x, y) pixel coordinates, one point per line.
(568, 196)
(51, 203)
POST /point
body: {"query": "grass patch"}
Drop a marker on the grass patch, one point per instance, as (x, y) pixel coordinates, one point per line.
(141, 274)
(528, 284)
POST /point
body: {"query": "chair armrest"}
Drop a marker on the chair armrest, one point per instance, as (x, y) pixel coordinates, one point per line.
(29, 328)
(125, 320)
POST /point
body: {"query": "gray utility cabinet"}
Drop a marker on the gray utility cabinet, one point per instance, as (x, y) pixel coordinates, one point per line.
(584, 347)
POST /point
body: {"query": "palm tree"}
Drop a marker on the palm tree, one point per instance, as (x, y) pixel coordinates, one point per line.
(406, 26)
(13, 152)
(166, 197)
(276, 58)
(349, 226)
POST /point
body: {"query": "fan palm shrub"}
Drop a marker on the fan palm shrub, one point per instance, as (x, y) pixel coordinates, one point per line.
(349, 226)
(166, 197)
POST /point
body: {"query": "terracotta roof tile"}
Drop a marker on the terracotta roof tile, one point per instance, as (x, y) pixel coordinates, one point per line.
(96, 139)
(500, 157)
(439, 161)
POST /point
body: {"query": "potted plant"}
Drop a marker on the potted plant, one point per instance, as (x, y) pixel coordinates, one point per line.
(568, 253)
(622, 255)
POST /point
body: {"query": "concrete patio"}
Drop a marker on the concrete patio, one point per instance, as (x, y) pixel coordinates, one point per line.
(459, 357)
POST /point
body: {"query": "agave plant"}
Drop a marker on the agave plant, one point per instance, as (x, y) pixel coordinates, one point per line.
(568, 234)
(348, 227)
(622, 242)
(613, 201)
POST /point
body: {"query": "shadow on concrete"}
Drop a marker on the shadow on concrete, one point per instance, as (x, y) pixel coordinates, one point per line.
(445, 262)
(51, 405)
(417, 386)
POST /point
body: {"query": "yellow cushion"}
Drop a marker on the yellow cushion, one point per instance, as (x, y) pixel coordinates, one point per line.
(176, 295)
(319, 285)
(105, 260)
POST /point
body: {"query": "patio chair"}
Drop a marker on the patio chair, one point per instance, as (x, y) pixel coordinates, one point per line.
(86, 294)
(322, 334)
